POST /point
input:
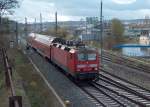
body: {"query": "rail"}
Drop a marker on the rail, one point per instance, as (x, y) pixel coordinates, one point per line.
(14, 101)
(137, 91)
(127, 62)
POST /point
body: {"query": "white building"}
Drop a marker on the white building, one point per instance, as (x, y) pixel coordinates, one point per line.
(144, 39)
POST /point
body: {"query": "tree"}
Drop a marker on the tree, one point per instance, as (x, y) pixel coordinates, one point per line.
(117, 30)
(61, 32)
(116, 37)
(6, 6)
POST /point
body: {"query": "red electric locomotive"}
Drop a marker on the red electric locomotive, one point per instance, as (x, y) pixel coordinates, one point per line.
(74, 58)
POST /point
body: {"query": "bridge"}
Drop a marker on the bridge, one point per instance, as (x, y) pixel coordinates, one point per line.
(131, 46)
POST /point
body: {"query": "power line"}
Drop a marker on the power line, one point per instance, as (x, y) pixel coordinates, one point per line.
(16, 33)
(35, 25)
(56, 23)
(26, 26)
(41, 22)
(101, 30)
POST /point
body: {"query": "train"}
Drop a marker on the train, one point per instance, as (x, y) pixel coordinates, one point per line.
(75, 58)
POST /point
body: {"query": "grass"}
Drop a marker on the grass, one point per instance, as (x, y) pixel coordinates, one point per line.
(3, 91)
(35, 88)
(1, 80)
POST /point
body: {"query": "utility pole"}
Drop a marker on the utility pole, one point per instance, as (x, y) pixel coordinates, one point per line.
(41, 23)
(26, 27)
(86, 30)
(8, 27)
(17, 34)
(56, 23)
(35, 25)
(0, 21)
(101, 31)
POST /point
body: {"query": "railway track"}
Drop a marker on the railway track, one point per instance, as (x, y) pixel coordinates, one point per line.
(90, 93)
(105, 96)
(121, 80)
(112, 91)
(101, 96)
(127, 62)
(119, 100)
(1, 58)
(14, 100)
(132, 92)
(107, 93)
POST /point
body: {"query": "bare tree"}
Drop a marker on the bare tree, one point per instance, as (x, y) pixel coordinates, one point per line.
(6, 6)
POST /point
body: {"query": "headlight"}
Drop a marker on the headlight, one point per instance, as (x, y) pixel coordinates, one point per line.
(95, 68)
(78, 69)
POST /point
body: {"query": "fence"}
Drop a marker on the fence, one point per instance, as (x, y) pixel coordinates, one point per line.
(14, 101)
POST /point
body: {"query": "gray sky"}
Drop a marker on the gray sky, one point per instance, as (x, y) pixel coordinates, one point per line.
(77, 9)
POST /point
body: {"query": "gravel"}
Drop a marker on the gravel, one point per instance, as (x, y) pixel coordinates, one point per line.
(129, 74)
(66, 89)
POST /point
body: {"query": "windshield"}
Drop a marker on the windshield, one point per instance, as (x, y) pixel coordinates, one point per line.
(91, 57)
(82, 57)
(86, 57)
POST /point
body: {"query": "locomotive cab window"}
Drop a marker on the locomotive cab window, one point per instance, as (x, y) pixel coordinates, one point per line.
(92, 57)
(86, 56)
(82, 57)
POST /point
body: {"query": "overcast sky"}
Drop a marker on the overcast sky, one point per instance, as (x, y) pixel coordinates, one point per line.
(76, 9)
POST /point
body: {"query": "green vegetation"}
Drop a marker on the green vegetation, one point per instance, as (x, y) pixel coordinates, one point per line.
(61, 32)
(7, 25)
(117, 37)
(7, 6)
(1, 79)
(7, 32)
(117, 30)
(3, 91)
(35, 88)
(95, 44)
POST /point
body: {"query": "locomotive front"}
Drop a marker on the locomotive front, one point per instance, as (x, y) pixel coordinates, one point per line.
(87, 63)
